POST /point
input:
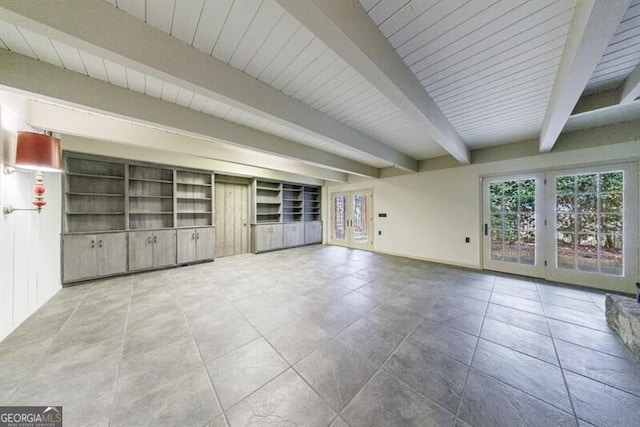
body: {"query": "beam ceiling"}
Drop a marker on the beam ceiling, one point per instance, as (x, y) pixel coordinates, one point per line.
(347, 30)
(119, 37)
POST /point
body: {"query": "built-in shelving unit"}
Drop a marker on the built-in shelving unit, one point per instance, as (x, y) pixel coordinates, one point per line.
(292, 202)
(150, 197)
(285, 214)
(94, 196)
(268, 202)
(122, 216)
(194, 199)
(312, 198)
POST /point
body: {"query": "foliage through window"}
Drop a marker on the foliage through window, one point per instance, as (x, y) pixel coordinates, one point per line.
(589, 226)
(513, 220)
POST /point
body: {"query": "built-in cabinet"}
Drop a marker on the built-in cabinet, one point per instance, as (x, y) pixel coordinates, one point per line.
(122, 216)
(152, 249)
(285, 215)
(267, 237)
(91, 255)
(195, 244)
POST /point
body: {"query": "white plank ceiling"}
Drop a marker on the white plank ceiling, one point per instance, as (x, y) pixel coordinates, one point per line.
(489, 65)
(622, 54)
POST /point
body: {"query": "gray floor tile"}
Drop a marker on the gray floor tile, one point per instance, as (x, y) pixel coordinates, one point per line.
(371, 340)
(448, 341)
(457, 319)
(155, 335)
(572, 303)
(332, 317)
(590, 338)
(502, 288)
(432, 374)
(534, 344)
(141, 373)
(339, 422)
(523, 372)
(141, 340)
(336, 372)
(492, 403)
(297, 339)
(357, 303)
(614, 371)
(519, 318)
(273, 405)
(600, 404)
(518, 303)
(589, 320)
(241, 372)
(395, 319)
(186, 400)
(386, 401)
(215, 341)
(219, 421)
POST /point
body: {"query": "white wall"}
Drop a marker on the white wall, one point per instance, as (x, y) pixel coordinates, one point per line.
(29, 242)
(429, 214)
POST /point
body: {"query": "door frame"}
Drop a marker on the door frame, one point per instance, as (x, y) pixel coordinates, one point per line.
(349, 242)
(535, 270)
(546, 244)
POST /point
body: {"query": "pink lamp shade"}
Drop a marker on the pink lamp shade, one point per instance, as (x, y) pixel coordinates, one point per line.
(38, 152)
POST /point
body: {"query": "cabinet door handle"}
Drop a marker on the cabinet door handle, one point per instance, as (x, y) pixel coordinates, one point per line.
(193, 236)
(100, 243)
(155, 239)
(149, 240)
(197, 236)
(93, 244)
(486, 229)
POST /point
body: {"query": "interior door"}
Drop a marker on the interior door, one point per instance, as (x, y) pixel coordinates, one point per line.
(231, 213)
(352, 219)
(513, 224)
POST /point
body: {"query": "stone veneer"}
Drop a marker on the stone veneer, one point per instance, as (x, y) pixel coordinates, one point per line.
(623, 315)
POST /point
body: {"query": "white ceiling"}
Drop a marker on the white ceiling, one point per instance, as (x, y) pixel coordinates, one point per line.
(489, 67)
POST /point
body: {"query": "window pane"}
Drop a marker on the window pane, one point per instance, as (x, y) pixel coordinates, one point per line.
(587, 183)
(593, 243)
(565, 184)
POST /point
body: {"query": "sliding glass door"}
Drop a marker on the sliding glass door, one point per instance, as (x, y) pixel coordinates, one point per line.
(572, 226)
(352, 219)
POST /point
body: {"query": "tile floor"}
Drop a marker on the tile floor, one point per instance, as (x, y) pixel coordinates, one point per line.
(320, 336)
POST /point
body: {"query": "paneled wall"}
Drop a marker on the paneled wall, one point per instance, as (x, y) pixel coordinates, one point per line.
(29, 242)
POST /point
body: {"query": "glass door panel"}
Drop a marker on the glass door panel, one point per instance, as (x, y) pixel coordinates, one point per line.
(339, 218)
(511, 225)
(352, 219)
(589, 226)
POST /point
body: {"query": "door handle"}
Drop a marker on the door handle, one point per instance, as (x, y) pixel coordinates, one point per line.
(486, 229)
(93, 244)
(100, 243)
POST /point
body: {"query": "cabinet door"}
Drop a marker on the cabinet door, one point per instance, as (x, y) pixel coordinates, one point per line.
(205, 238)
(277, 238)
(79, 255)
(111, 253)
(312, 232)
(293, 235)
(186, 245)
(164, 248)
(261, 238)
(140, 250)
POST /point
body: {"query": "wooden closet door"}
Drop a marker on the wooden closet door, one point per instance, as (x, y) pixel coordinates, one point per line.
(232, 215)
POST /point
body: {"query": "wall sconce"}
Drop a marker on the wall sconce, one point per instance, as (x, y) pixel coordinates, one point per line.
(37, 152)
